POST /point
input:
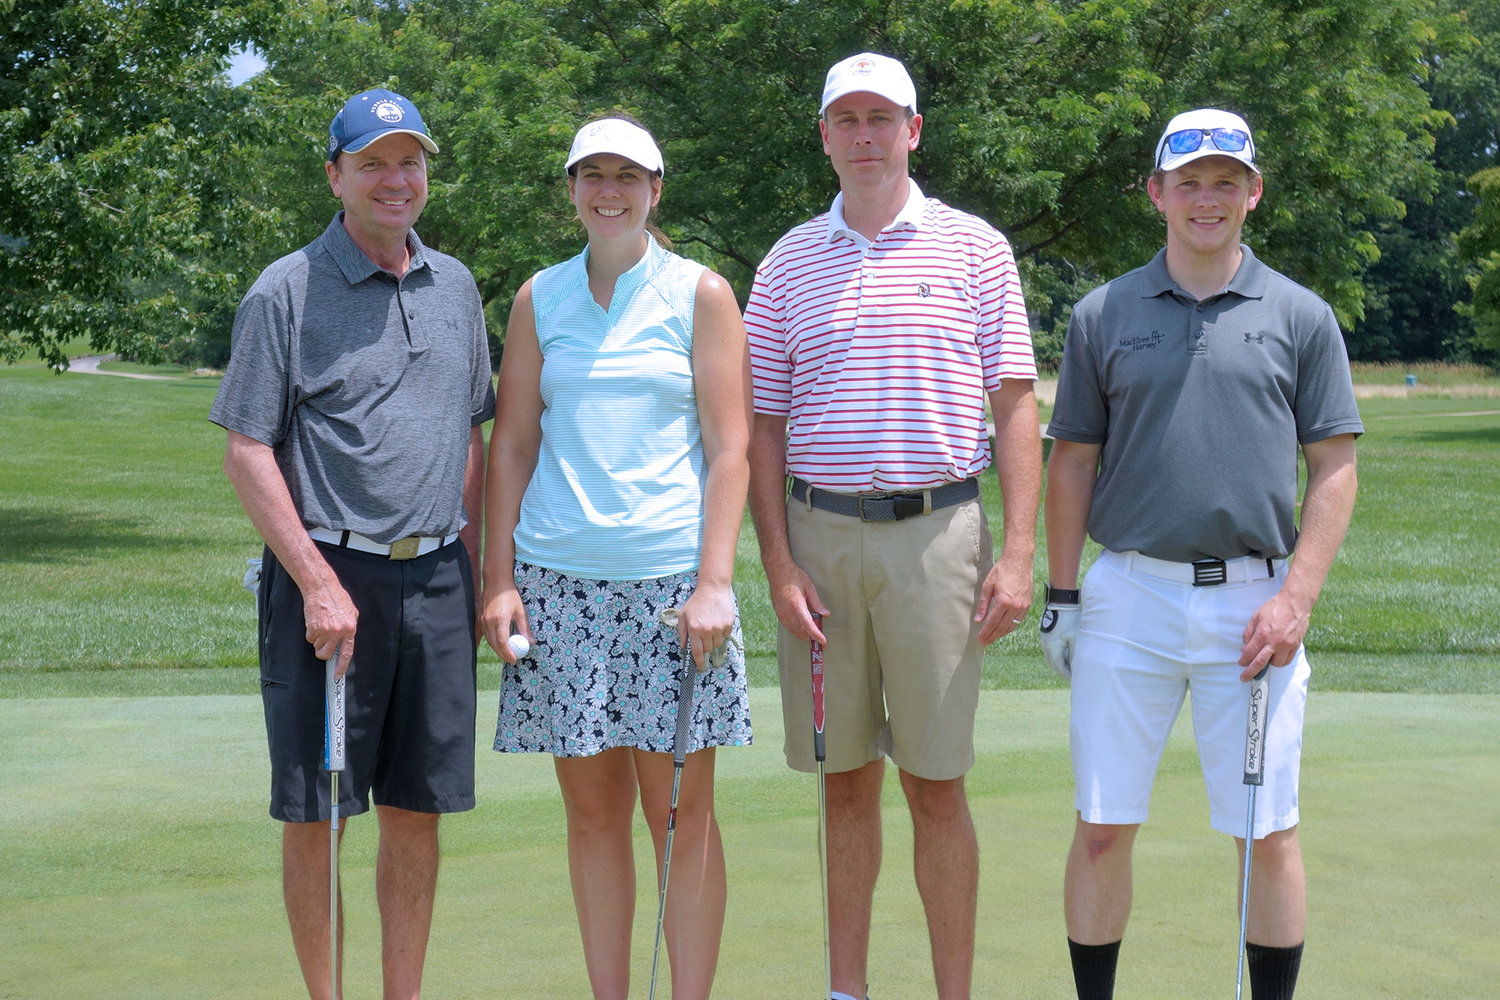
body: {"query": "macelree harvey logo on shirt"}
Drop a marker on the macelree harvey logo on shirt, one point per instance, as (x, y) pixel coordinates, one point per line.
(1146, 342)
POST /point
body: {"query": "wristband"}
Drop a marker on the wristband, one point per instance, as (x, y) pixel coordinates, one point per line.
(1055, 596)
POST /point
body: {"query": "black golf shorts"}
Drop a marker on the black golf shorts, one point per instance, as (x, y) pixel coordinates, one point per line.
(409, 693)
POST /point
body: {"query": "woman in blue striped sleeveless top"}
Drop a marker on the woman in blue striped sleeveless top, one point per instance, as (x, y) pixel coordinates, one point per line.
(616, 486)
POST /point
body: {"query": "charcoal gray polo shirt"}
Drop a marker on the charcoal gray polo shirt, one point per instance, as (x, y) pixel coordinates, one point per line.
(366, 387)
(1200, 408)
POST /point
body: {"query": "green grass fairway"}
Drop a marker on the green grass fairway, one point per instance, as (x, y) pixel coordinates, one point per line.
(122, 548)
(139, 862)
(137, 859)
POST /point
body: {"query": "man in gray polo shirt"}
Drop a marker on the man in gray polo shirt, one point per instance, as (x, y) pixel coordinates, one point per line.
(1187, 387)
(358, 381)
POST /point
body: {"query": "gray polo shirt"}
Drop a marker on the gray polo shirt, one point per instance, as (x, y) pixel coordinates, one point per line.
(365, 387)
(1200, 408)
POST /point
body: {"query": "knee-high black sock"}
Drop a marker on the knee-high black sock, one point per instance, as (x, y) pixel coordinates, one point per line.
(1094, 969)
(1273, 971)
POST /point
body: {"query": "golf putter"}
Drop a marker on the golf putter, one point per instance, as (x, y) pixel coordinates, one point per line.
(333, 763)
(820, 752)
(679, 757)
(1255, 763)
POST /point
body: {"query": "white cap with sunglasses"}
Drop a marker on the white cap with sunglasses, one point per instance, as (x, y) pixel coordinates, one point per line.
(1205, 132)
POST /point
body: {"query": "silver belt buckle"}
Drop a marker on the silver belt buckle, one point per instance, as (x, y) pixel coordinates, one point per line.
(406, 548)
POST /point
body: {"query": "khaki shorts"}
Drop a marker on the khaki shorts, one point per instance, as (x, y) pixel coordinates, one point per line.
(903, 661)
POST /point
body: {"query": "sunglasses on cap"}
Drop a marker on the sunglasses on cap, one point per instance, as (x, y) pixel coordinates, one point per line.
(1190, 140)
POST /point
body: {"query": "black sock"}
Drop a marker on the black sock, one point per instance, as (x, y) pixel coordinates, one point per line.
(1273, 971)
(1094, 969)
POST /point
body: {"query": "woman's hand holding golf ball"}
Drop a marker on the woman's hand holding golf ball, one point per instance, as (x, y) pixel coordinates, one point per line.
(503, 619)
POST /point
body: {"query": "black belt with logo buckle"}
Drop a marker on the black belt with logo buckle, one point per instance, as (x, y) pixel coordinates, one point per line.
(886, 506)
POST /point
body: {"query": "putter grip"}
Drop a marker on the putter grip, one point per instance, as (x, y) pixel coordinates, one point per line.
(815, 658)
(1255, 728)
(819, 744)
(333, 716)
(684, 712)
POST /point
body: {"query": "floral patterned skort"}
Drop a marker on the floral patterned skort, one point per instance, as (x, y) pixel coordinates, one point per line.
(604, 671)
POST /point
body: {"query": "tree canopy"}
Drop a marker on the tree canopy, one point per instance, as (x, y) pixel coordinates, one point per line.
(1417, 293)
(1480, 243)
(142, 193)
(119, 189)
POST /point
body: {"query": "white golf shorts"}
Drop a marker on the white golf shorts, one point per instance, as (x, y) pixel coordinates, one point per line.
(1144, 642)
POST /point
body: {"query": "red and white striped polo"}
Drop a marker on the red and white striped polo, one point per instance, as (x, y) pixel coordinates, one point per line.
(880, 354)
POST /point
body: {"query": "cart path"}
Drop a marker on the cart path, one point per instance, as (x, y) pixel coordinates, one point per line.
(90, 366)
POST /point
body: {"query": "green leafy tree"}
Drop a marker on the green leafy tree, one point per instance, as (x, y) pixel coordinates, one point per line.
(144, 193)
(1480, 243)
(496, 88)
(120, 190)
(1420, 277)
(1040, 118)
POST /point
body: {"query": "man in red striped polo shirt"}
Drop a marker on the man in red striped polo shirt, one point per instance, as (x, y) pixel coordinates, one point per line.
(878, 331)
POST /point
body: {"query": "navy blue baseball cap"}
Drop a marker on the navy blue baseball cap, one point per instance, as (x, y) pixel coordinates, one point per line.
(373, 115)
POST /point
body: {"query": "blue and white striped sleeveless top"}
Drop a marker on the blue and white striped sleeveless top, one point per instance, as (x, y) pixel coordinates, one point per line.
(618, 489)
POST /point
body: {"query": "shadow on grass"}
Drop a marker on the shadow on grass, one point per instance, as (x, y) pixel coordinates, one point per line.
(1462, 436)
(33, 536)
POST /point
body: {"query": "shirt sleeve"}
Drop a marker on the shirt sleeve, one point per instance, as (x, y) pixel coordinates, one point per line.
(765, 324)
(483, 394)
(1079, 412)
(254, 396)
(1004, 330)
(1325, 406)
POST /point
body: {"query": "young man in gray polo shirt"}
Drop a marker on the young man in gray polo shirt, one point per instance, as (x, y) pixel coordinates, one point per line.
(358, 379)
(1187, 387)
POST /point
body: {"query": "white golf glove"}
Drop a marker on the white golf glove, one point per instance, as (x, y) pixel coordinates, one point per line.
(1059, 630)
(252, 575)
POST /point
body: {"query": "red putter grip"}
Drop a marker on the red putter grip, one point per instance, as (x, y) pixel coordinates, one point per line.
(816, 653)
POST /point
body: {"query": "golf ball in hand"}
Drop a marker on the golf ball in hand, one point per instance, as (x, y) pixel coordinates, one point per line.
(519, 645)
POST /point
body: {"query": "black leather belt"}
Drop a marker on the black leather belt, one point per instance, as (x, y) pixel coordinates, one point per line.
(886, 506)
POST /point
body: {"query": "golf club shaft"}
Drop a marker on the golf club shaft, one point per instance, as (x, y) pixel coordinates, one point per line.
(333, 761)
(820, 751)
(1255, 739)
(679, 757)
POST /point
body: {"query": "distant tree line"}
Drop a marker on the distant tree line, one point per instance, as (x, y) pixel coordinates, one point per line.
(140, 192)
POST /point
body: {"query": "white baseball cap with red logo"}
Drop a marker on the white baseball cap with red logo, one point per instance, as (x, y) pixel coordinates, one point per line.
(871, 73)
